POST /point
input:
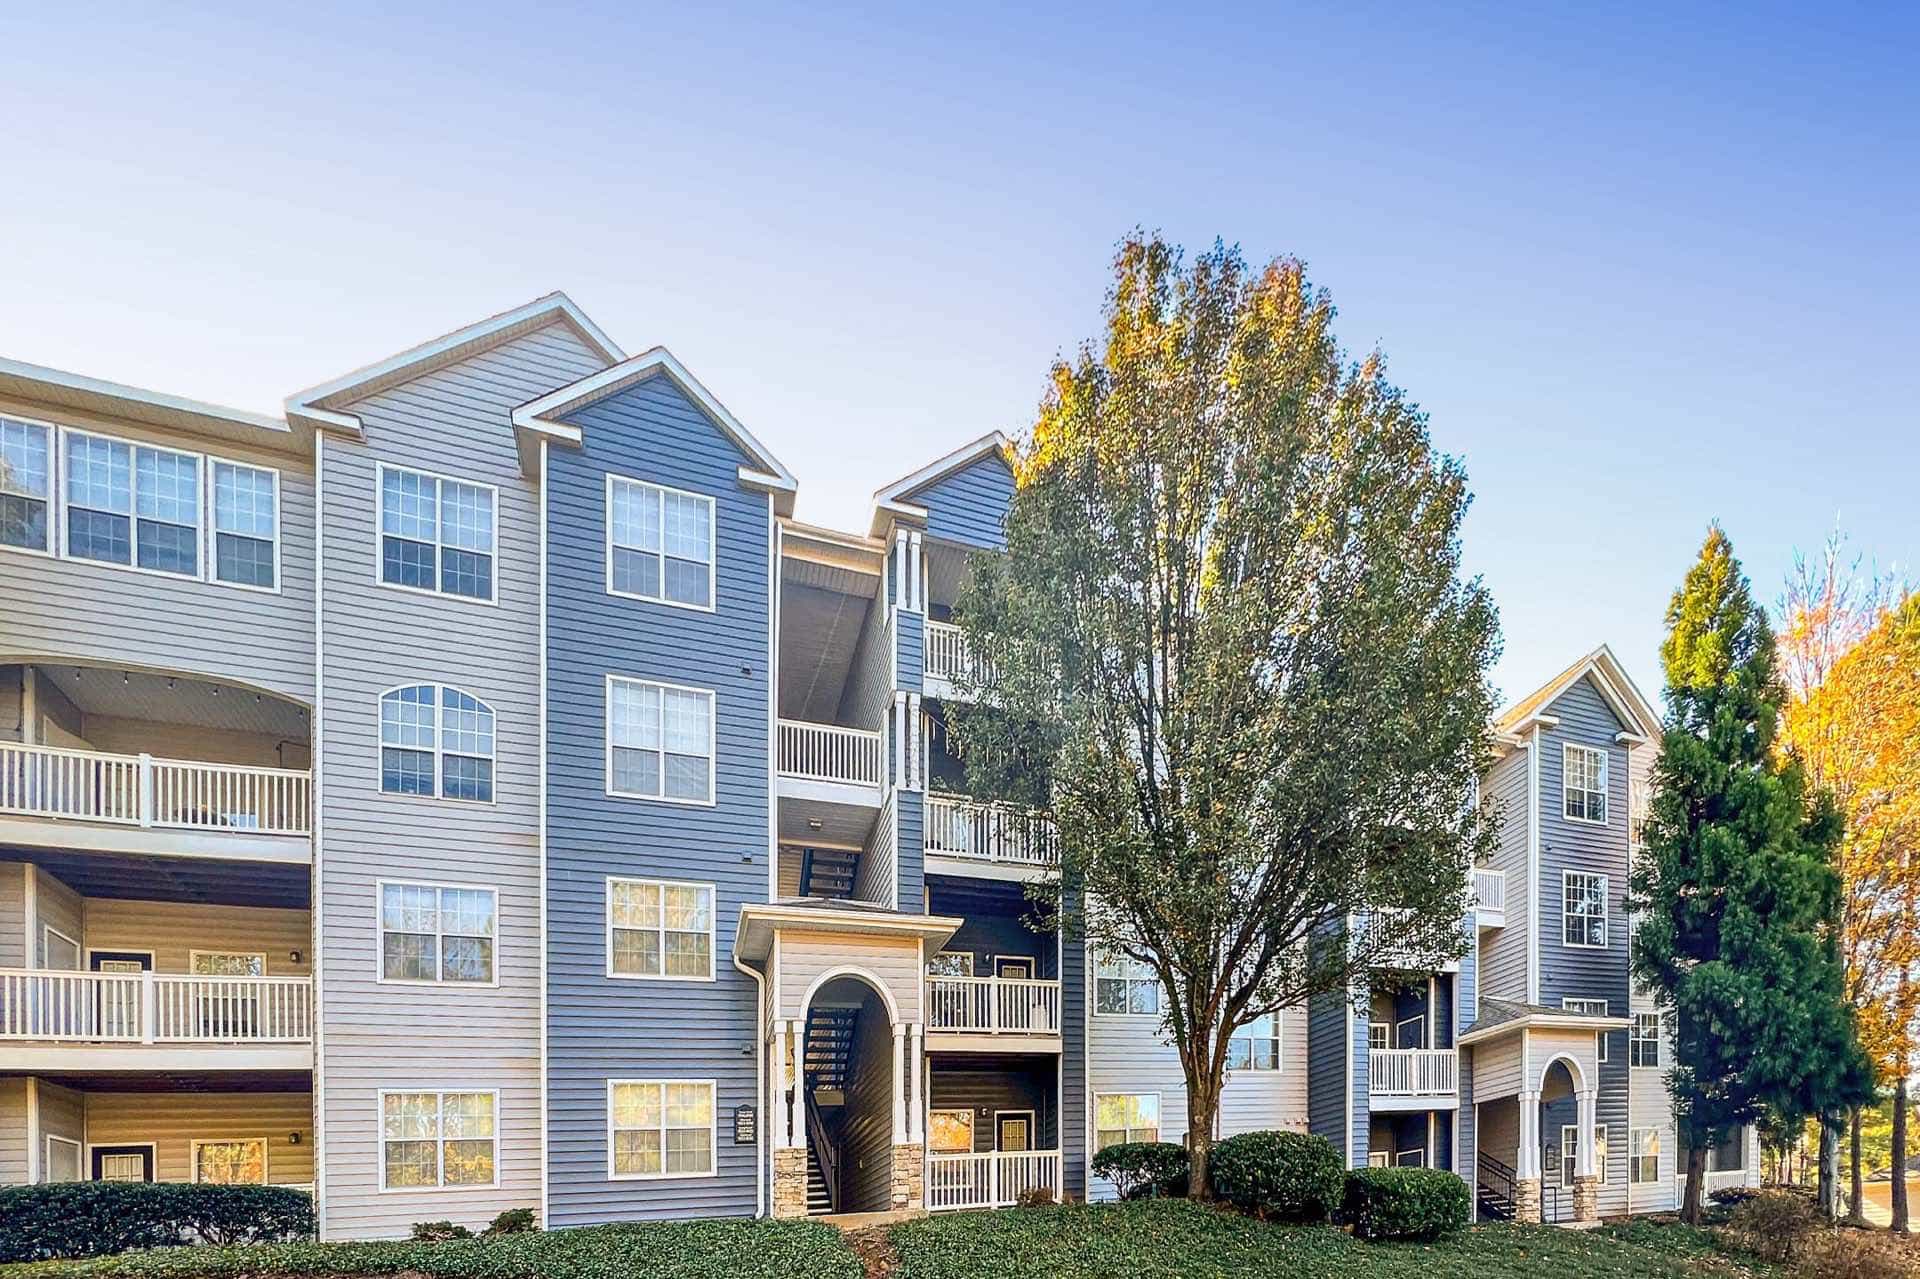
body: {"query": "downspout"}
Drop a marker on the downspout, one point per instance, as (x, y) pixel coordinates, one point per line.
(546, 1118)
(315, 767)
(759, 1084)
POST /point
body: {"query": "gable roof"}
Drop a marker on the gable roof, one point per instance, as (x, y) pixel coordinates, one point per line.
(542, 418)
(320, 406)
(895, 499)
(1611, 680)
(58, 388)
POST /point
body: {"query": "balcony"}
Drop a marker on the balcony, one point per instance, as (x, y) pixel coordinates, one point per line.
(1413, 1078)
(56, 797)
(949, 663)
(88, 1020)
(993, 1014)
(990, 1179)
(993, 834)
(832, 754)
(1490, 897)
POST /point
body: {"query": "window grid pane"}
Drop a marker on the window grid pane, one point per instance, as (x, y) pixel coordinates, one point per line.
(661, 1129)
(430, 1139)
(245, 524)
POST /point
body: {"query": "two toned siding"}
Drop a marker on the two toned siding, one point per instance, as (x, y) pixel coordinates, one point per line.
(603, 1028)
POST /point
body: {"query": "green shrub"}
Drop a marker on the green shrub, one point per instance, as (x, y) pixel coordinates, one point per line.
(512, 1222)
(1144, 1169)
(1405, 1203)
(98, 1218)
(437, 1232)
(1288, 1176)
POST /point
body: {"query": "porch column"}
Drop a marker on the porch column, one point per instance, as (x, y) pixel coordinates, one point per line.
(796, 1113)
(899, 1083)
(1586, 1178)
(1526, 1165)
(917, 1061)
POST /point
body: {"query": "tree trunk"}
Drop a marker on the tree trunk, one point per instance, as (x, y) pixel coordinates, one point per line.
(1857, 1185)
(1900, 1155)
(1691, 1205)
(1200, 1117)
(1829, 1167)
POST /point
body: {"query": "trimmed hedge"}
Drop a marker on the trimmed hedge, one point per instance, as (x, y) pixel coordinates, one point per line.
(1144, 1169)
(1420, 1204)
(98, 1218)
(1286, 1176)
(738, 1249)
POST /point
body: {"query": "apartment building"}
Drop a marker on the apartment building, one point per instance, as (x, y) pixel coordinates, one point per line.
(473, 789)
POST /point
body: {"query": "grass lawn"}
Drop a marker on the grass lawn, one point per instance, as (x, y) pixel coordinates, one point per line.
(1175, 1238)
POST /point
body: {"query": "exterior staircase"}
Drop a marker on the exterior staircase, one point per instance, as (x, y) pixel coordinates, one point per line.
(819, 1198)
(1493, 1190)
(829, 1051)
(827, 872)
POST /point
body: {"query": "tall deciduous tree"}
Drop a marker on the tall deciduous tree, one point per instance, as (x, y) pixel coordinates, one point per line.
(1231, 645)
(1738, 896)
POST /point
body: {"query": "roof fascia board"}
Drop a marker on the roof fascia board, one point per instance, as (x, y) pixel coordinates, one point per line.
(141, 397)
(891, 500)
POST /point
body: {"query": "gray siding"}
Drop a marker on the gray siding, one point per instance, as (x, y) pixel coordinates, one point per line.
(14, 927)
(866, 1134)
(1503, 952)
(602, 1028)
(969, 507)
(88, 612)
(454, 421)
(13, 1131)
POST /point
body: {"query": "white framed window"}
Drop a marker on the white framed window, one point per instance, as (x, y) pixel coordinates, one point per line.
(1125, 987)
(658, 928)
(436, 534)
(431, 1138)
(1414, 1158)
(659, 1128)
(1595, 1008)
(1256, 1045)
(241, 1162)
(57, 950)
(62, 1160)
(1643, 1162)
(1379, 1159)
(26, 485)
(660, 741)
(659, 543)
(1121, 1116)
(436, 741)
(1570, 1154)
(226, 963)
(1379, 1035)
(246, 524)
(951, 963)
(950, 1132)
(1583, 783)
(1410, 1032)
(1583, 910)
(437, 934)
(135, 505)
(1643, 1043)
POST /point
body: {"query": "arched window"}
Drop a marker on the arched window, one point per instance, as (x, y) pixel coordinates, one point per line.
(438, 741)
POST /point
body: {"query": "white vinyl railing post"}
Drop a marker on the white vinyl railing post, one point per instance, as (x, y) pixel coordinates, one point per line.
(149, 1006)
(146, 789)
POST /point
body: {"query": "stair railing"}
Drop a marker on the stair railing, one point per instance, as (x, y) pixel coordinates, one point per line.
(825, 1153)
(1499, 1178)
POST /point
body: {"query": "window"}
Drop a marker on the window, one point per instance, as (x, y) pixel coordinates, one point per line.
(1643, 1161)
(1583, 908)
(1122, 1117)
(659, 741)
(1584, 783)
(1415, 1158)
(436, 534)
(231, 1163)
(1570, 1154)
(659, 929)
(659, 1129)
(225, 963)
(430, 933)
(436, 1139)
(1639, 809)
(62, 1160)
(1643, 1045)
(1594, 1008)
(246, 525)
(57, 950)
(659, 543)
(1123, 985)
(951, 963)
(132, 504)
(1379, 1035)
(436, 741)
(950, 1132)
(1729, 1155)
(1256, 1045)
(26, 484)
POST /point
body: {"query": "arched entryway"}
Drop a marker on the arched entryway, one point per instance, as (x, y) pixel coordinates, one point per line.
(848, 1108)
(1559, 1139)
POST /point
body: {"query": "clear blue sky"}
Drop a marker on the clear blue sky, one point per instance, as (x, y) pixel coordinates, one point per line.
(1642, 272)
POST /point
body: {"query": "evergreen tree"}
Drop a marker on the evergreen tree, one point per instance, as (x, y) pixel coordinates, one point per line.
(1737, 889)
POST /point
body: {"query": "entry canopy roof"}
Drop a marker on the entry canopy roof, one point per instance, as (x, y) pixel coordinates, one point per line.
(759, 922)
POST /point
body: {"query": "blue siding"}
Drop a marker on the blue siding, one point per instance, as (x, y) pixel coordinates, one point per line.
(969, 506)
(1467, 981)
(910, 660)
(1362, 1102)
(1327, 1080)
(600, 1028)
(1073, 1056)
(913, 851)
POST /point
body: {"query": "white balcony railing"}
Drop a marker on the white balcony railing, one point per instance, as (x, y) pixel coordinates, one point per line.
(830, 753)
(1490, 889)
(1413, 1072)
(994, 1179)
(140, 790)
(993, 1005)
(148, 1008)
(947, 654)
(959, 827)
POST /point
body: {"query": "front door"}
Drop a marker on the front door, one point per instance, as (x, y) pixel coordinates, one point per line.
(117, 1005)
(123, 1163)
(1019, 969)
(1013, 1132)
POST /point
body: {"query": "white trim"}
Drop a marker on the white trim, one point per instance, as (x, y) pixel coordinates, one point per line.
(713, 1131)
(713, 741)
(1159, 1117)
(80, 382)
(1567, 750)
(33, 1130)
(1634, 1036)
(380, 930)
(1633, 1135)
(46, 1157)
(1032, 963)
(117, 950)
(266, 1156)
(540, 791)
(79, 954)
(1153, 979)
(1033, 1127)
(214, 462)
(1606, 911)
(713, 543)
(890, 499)
(133, 447)
(440, 1092)
(380, 470)
(951, 1110)
(152, 1149)
(1568, 1172)
(51, 497)
(713, 915)
(851, 970)
(1577, 1004)
(316, 926)
(1423, 1021)
(439, 751)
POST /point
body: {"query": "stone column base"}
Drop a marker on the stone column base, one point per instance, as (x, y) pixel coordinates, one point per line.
(790, 1181)
(1586, 1198)
(1526, 1200)
(909, 1167)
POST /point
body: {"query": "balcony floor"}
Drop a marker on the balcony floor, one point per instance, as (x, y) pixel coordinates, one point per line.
(31, 1057)
(235, 844)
